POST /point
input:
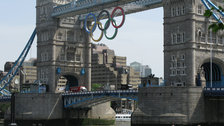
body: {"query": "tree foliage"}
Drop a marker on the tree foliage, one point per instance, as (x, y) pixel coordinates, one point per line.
(214, 26)
(96, 87)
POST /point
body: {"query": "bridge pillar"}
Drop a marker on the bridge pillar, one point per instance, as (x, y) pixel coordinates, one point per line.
(47, 109)
(63, 48)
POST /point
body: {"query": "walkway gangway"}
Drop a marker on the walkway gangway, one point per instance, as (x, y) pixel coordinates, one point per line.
(81, 7)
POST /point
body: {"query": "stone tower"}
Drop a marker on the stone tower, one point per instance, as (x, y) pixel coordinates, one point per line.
(63, 48)
(188, 44)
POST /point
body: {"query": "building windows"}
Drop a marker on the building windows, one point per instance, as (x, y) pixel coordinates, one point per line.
(173, 72)
(173, 58)
(183, 64)
(178, 64)
(77, 57)
(173, 12)
(220, 40)
(44, 56)
(70, 36)
(178, 72)
(59, 36)
(173, 65)
(200, 9)
(183, 10)
(62, 55)
(44, 36)
(178, 38)
(177, 11)
(70, 56)
(43, 75)
(182, 57)
(183, 37)
(174, 38)
(183, 72)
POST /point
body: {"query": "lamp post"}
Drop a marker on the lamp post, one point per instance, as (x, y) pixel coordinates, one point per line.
(211, 59)
(13, 123)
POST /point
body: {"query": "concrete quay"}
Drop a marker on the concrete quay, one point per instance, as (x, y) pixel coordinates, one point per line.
(161, 106)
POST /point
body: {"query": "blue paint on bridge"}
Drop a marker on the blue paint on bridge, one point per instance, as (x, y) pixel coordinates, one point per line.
(213, 91)
(85, 6)
(84, 99)
(5, 98)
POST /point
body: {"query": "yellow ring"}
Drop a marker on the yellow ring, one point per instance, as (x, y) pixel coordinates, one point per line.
(91, 34)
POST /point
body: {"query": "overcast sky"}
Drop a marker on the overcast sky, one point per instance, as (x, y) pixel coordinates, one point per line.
(140, 39)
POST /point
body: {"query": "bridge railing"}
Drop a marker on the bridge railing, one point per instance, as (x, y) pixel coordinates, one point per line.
(213, 91)
(99, 92)
(96, 97)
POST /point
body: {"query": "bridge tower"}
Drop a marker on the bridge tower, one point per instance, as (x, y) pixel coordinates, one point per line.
(188, 44)
(63, 48)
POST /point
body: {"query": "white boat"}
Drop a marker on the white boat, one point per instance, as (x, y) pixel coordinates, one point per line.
(123, 117)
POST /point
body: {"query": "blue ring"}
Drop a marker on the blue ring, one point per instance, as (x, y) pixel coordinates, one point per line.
(85, 24)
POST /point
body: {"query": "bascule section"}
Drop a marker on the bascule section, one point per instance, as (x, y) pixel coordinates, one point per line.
(63, 48)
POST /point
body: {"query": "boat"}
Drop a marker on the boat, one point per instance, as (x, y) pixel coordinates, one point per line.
(123, 117)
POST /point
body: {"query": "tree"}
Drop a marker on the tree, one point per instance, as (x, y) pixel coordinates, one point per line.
(215, 26)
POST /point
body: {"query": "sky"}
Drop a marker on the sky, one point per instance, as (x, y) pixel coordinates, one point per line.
(139, 39)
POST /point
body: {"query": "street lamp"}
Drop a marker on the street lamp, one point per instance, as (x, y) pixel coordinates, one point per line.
(211, 59)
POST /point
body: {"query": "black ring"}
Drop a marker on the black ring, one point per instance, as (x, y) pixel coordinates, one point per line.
(98, 18)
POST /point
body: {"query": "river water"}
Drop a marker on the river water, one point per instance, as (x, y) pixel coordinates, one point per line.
(118, 123)
(121, 123)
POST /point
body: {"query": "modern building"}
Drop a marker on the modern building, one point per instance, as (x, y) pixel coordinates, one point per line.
(28, 71)
(146, 71)
(107, 68)
(112, 71)
(136, 66)
(8, 66)
(143, 70)
(26, 75)
(15, 82)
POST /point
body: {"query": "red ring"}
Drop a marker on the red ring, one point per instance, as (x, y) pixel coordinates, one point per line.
(112, 16)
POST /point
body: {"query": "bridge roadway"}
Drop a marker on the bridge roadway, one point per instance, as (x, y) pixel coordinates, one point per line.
(83, 7)
(91, 98)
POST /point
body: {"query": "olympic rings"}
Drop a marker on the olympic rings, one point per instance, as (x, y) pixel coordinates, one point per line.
(106, 25)
(91, 34)
(85, 24)
(112, 16)
(98, 18)
(115, 33)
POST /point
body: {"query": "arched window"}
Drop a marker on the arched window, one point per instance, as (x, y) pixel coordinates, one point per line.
(70, 36)
(59, 36)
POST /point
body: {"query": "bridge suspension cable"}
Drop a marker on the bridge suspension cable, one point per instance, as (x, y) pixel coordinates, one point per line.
(17, 65)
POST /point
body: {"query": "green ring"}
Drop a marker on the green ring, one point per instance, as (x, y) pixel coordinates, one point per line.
(105, 32)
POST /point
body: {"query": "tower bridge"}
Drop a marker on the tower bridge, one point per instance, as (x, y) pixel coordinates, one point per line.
(193, 59)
